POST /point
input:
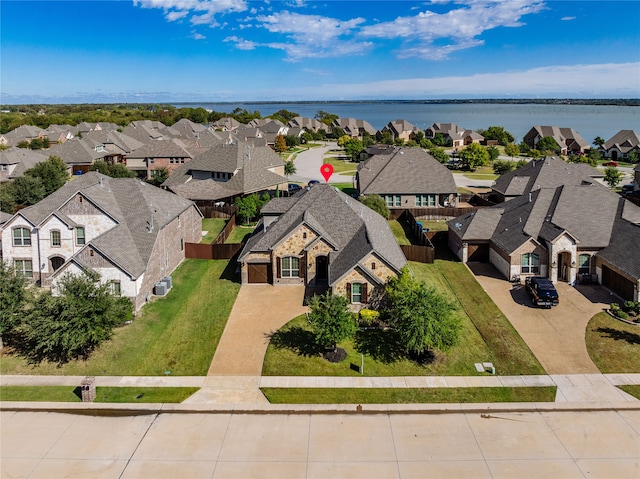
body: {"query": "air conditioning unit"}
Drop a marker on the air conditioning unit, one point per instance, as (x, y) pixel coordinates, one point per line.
(168, 281)
(160, 289)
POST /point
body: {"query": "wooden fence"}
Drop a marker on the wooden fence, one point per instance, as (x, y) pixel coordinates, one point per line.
(226, 231)
(209, 210)
(421, 254)
(432, 213)
(211, 251)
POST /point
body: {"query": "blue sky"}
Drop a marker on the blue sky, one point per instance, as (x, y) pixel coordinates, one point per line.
(241, 50)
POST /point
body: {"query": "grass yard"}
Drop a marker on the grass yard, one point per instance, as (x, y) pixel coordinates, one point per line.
(407, 395)
(486, 335)
(399, 232)
(177, 334)
(341, 166)
(633, 389)
(213, 227)
(239, 233)
(346, 188)
(103, 394)
(614, 346)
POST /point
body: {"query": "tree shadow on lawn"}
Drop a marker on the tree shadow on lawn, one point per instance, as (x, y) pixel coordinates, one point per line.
(299, 340)
(380, 344)
(617, 335)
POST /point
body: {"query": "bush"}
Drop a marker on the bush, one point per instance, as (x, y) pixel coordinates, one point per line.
(622, 315)
(629, 306)
(368, 316)
(614, 308)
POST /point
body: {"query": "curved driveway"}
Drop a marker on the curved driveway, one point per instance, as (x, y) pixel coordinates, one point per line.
(556, 335)
(308, 165)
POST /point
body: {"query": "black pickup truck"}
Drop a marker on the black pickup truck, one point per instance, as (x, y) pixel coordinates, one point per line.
(542, 291)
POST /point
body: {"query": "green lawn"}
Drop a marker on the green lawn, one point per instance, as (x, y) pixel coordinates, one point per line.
(341, 166)
(239, 233)
(633, 389)
(103, 394)
(177, 334)
(213, 227)
(408, 395)
(486, 336)
(614, 346)
(399, 232)
(346, 188)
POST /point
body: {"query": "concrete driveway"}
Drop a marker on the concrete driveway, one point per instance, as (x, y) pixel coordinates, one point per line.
(556, 336)
(258, 311)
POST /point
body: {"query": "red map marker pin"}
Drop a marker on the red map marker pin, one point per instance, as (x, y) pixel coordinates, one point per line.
(327, 171)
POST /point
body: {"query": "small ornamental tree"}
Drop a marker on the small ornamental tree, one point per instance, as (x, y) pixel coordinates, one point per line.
(52, 172)
(331, 319)
(13, 301)
(280, 144)
(376, 203)
(353, 148)
(612, 176)
(500, 167)
(158, 176)
(289, 168)
(422, 317)
(439, 154)
(494, 153)
(473, 156)
(512, 150)
(547, 143)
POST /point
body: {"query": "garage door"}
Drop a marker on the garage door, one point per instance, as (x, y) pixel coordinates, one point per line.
(259, 272)
(617, 283)
(478, 253)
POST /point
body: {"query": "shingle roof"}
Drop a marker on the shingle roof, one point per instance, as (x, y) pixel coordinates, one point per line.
(404, 171)
(23, 158)
(354, 229)
(160, 149)
(624, 251)
(624, 140)
(77, 151)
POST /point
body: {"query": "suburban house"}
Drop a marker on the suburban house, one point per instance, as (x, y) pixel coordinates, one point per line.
(549, 172)
(130, 232)
(352, 127)
(169, 154)
(454, 135)
(79, 154)
(115, 143)
(22, 133)
(322, 238)
(59, 133)
(308, 124)
(620, 145)
(407, 178)
(186, 128)
(399, 130)
(569, 140)
(225, 124)
(575, 232)
(226, 171)
(15, 161)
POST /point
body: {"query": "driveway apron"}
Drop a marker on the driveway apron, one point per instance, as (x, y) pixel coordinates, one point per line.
(556, 335)
(258, 311)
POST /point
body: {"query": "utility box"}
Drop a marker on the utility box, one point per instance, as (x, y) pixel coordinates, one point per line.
(160, 289)
(88, 387)
(168, 281)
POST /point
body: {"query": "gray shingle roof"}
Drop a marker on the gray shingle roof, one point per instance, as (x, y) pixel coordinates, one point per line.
(77, 152)
(160, 149)
(404, 171)
(624, 251)
(624, 140)
(23, 158)
(354, 229)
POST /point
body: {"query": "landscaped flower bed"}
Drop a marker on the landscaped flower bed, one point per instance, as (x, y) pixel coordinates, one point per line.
(628, 312)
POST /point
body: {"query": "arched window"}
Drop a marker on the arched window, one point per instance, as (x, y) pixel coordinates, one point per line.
(584, 264)
(290, 267)
(530, 263)
(21, 237)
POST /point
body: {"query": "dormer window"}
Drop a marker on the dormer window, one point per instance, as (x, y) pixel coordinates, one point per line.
(99, 148)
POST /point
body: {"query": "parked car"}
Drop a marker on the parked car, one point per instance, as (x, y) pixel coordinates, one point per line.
(627, 189)
(542, 291)
(293, 187)
(313, 182)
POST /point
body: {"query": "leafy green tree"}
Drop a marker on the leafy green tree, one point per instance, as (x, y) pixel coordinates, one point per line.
(342, 140)
(331, 319)
(634, 156)
(7, 197)
(249, 207)
(376, 203)
(595, 155)
(422, 317)
(73, 323)
(52, 172)
(512, 150)
(598, 142)
(474, 155)
(28, 190)
(547, 143)
(500, 167)
(284, 116)
(14, 300)
(114, 170)
(440, 140)
(439, 154)
(612, 176)
(494, 153)
(326, 118)
(497, 133)
(353, 148)
(337, 132)
(306, 137)
(368, 139)
(280, 144)
(292, 141)
(289, 168)
(158, 176)
(385, 138)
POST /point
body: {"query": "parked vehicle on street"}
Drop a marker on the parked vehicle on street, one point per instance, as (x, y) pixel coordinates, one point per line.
(542, 291)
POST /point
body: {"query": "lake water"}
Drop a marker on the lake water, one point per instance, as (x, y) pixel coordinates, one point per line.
(588, 120)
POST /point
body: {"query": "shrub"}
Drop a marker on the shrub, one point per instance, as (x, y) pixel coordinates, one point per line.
(622, 315)
(629, 306)
(368, 316)
(614, 307)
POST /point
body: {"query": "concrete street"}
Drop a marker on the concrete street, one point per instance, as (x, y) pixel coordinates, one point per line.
(565, 444)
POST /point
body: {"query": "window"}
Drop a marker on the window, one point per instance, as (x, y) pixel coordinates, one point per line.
(24, 267)
(21, 237)
(181, 244)
(426, 200)
(373, 266)
(530, 263)
(584, 264)
(116, 289)
(80, 240)
(356, 292)
(290, 267)
(398, 200)
(55, 238)
(3, 167)
(388, 199)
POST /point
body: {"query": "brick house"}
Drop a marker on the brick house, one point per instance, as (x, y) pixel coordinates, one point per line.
(169, 154)
(569, 140)
(322, 238)
(130, 232)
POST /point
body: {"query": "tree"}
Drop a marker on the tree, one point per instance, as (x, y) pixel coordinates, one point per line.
(158, 176)
(422, 317)
(331, 319)
(249, 207)
(494, 153)
(497, 133)
(292, 141)
(439, 154)
(474, 155)
(612, 176)
(326, 118)
(376, 203)
(114, 170)
(74, 322)
(342, 140)
(280, 144)
(353, 148)
(385, 138)
(439, 140)
(500, 167)
(52, 172)
(289, 168)
(634, 156)
(598, 141)
(547, 143)
(512, 150)
(28, 190)
(284, 116)
(14, 299)
(7, 199)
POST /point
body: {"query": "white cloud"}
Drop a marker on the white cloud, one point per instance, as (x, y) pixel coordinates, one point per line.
(567, 19)
(197, 36)
(176, 15)
(459, 27)
(241, 43)
(205, 10)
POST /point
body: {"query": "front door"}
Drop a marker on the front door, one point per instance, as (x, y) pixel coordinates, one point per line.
(56, 262)
(564, 263)
(322, 268)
